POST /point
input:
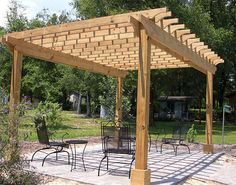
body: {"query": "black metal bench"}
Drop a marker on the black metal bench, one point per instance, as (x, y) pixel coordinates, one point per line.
(116, 140)
(177, 139)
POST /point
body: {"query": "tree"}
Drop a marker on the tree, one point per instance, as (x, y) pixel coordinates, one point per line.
(212, 21)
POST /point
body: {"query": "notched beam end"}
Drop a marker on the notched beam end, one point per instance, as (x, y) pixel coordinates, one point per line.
(135, 23)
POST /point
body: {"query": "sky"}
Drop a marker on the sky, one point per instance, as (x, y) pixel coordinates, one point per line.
(35, 6)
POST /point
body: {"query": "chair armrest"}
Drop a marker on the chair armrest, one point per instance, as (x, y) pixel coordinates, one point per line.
(64, 136)
(51, 135)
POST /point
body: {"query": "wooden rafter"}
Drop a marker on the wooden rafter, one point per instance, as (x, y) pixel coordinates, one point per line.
(165, 40)
(39, 52)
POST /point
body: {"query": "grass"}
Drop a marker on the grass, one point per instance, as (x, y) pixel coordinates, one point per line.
(229, 136)
(73, 124)
(77, 126)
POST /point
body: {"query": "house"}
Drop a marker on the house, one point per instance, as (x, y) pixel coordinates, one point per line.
(174, 107)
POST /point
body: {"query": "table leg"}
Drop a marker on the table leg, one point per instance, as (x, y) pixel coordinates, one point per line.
(83, 156)
(72, 157)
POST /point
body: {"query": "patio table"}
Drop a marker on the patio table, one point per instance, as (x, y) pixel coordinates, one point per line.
(73, 143)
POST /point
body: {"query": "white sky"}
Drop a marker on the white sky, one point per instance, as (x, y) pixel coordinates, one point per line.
(35, 6)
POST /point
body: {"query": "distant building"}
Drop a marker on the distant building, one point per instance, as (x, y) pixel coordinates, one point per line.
(174, 107)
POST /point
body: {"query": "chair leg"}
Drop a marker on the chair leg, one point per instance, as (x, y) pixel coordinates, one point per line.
(107, 162)
(56, 152)
(56, 156)
(187, 147)
(47, 156)
(150, 144)
(176, 150)
(156, 146)
(32, 158)
(131, 166)
(68, 155)
(105, 156)
(161, 147)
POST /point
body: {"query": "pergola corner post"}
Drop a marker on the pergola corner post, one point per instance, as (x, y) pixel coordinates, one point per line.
(140, 174)
(208, 147)
(13, 123)
(118, 111)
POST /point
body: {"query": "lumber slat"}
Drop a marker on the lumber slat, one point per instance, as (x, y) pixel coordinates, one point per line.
(102, 21)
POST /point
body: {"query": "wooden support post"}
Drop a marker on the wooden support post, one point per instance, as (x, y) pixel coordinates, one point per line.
(118, 113)
(141, 175)
(208, 147)
(13, 123)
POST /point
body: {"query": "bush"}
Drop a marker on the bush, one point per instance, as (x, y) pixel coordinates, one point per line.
(50, 112)
(12, 172)
(191, 134)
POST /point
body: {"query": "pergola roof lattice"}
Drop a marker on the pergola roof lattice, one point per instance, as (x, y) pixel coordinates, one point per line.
(113, 43)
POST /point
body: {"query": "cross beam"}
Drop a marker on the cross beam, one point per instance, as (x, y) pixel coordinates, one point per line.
(170, 44)
(80, 24)
(42, 53)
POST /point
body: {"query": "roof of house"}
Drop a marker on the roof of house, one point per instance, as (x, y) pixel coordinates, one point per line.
(175, 98)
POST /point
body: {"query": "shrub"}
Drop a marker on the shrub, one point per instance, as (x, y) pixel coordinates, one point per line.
(12, 172)
(50, 112)
(192, 133)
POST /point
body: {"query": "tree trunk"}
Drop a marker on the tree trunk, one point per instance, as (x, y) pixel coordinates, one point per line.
(64, 100)
(78, 110)
(88, 105)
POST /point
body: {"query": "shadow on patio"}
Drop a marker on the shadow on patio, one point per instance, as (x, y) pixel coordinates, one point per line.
(166, 168)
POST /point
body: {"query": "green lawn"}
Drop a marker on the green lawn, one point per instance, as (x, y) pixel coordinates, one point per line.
(230, 131)
(77, 126)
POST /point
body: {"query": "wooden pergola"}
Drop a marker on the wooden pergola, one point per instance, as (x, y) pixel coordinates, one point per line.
(113, 46)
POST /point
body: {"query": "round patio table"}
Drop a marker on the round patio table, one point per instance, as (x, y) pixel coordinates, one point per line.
(73, 143)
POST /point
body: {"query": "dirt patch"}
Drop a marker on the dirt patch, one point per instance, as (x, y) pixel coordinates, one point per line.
(30, 147)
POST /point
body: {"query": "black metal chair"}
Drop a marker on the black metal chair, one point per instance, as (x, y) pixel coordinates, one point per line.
(154, 135)
(117, 141)
(43, 138)
(178, 139)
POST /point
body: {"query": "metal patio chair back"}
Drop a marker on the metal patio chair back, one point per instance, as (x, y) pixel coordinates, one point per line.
(43, 138)
(116, 140)
(177, 139)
